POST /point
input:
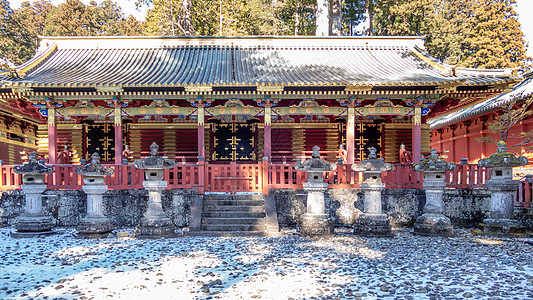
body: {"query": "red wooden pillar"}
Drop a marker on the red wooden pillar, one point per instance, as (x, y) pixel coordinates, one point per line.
(201, 133)
(350, 136)
(52, 136)
(264, 170)
(201, 149)
(268, 134)
(417, 135)
(118, 134)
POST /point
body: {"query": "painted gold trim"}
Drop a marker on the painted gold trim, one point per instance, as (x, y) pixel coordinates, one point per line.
(8, 141)
(270, 88)
(22, 72)
(51, 116)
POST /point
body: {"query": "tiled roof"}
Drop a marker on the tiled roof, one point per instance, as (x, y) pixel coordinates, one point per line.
(144, 62)
(522, 90)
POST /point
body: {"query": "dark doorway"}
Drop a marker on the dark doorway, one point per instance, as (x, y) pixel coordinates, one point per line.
(233, 142)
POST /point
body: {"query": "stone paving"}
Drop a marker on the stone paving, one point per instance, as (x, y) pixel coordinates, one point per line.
(344, 266)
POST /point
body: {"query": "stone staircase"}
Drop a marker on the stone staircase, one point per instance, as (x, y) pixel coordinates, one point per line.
(233, 215)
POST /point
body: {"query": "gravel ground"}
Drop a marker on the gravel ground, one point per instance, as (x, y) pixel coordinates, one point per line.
(343, 266)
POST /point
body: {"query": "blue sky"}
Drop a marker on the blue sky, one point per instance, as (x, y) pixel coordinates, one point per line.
(524, 9)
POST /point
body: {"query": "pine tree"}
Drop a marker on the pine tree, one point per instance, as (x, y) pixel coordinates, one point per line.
(495, 40)
(71, 18)
(15, 40)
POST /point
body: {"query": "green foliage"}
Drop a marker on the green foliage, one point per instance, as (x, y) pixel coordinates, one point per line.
(15, 40)
(73, 18)
(469, 33)
(495, 39)
(19, 30)
(228, 18)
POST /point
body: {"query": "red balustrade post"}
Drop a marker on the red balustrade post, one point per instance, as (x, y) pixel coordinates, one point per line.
(201, 176)
(52, 136)
(417, 135)
(118, 134)
(264, 170)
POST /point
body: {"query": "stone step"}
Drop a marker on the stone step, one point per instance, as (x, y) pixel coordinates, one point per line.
(233, 214)
(233, 233)
(233, 208)
(233, 202)
(233, 221)
(233, 197)
(232, 227)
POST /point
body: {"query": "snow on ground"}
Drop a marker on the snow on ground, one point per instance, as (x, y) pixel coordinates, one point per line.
(343, 266)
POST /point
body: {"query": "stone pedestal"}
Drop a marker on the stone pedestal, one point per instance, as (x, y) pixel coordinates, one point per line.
(433, 221)
(502, 197)
(33, 222)
(372, 221)
(95, 222)
(155, 222)
(33, 219)
(502, 189)
(315, 221)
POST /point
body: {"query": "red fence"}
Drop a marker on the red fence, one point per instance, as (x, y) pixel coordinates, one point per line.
(259, 177)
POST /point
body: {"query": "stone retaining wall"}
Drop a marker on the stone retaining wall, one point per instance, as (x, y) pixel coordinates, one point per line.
(464, 207)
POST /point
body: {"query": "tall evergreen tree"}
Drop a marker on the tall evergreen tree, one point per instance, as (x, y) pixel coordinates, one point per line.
(495, 39)
(15, 40)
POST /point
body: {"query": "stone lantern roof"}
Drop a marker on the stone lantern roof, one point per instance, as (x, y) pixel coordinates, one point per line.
(33, 167)
(502, 158)
(315, 164)
(434, 164)
(154, 161)
(373, 164)
(94, 168)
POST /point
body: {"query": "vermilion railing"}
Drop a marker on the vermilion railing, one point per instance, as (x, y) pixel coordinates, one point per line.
(259, 177)
(525, 194)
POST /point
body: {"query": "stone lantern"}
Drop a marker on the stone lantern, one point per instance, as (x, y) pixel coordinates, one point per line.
(33, 220)
(433, 221)
(372, 221)
(315, 221)
(94, 186)
(502, 189)
(155, 222)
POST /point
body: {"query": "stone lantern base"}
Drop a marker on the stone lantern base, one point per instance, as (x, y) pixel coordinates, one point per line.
(373, 224)
(156, 227)
(502, 226)
(433, 224)
(33, 225)
(316, 224)
(95, 225)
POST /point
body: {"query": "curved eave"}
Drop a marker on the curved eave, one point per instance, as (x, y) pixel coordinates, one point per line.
(522, 90)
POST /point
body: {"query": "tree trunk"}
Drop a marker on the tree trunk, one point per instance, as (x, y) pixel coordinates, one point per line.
(187, 19)
(336, 18)
(322, 18)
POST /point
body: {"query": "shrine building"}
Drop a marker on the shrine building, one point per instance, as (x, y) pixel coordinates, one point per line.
(230, 99)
